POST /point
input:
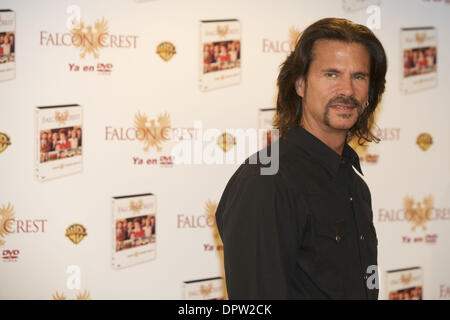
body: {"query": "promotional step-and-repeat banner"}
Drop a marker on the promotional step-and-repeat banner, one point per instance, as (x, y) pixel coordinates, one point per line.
(122, 121)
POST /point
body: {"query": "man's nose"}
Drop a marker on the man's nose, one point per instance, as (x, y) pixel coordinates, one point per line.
(346, 86)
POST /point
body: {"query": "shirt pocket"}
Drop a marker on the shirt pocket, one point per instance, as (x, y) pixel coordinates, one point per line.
(332, 234)
(332, 240)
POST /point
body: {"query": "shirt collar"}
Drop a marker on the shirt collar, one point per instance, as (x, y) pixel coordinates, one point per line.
(320, 152)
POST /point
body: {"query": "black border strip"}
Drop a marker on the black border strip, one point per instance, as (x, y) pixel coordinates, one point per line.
(58, 106)
(135, 195)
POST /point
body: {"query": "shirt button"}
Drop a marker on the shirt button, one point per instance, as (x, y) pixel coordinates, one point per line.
(365, 277)
(338, 238)
(351, 199)
(362, 237)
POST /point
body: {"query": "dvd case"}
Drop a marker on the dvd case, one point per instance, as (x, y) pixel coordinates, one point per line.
(220, 53)
(419, 59)
(7, 45)
(404, 284)
(204, 289)
(59, 141)
(133, 230)
(265, 123)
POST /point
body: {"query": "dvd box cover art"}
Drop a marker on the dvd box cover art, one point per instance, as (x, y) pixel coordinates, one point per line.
(404, 284)
(265, 123)
(7, 44)
(59, 141)
(220, 53)
(204, 289)
(134, 230)
(418, 59)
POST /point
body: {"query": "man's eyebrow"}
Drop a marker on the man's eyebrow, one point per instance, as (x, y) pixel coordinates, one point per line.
(361, 73)
(331, 70)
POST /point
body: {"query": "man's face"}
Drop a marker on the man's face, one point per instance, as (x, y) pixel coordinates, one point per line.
(337, 86)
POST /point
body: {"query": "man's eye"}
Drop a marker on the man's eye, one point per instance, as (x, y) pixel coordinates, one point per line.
(330, 75)
(360, 77)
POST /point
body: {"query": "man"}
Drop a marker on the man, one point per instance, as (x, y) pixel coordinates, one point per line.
(306, 232)
(79, 137)
(45, 145)
(12, 43)
(55, 139)
(2, 40)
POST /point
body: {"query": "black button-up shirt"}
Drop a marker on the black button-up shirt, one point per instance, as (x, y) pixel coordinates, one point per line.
(305, 232)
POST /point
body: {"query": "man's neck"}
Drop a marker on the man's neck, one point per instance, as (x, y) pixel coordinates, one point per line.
(335, 140)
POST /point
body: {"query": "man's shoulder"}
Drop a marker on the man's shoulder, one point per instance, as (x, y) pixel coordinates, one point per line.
(279, 167)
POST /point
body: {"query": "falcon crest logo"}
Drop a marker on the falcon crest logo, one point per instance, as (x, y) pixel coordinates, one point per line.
(61, 117)
(85, 295)
(418, 213)
(88, 38)
(421, 37)
(58, 296)
(5, 141)
(210, 213)
(222, 31)
(151, 132)
(294, 35)
(363, 150)
(206, 290)
(406, 278)
(6, 219)
(136, 206)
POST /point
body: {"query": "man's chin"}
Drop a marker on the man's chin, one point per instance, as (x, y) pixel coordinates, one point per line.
(344, 126)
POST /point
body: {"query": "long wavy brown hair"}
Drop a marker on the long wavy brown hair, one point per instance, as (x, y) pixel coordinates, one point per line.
(289, 103)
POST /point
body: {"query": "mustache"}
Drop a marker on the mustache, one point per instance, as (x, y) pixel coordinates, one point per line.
(345, 100)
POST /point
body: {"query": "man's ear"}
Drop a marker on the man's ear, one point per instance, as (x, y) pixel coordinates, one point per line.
(300, 87)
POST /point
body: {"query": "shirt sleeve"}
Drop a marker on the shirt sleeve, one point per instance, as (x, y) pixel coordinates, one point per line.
(258, 234)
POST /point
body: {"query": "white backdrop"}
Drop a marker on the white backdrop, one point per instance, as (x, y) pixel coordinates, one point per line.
(140, 81)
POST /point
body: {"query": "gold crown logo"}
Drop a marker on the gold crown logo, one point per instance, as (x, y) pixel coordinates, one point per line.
(136, 206)
(210, 213)
(85, 295)
(166, 50)
(76, 233)
(424, 141)
(88, 38)
(6, 220)
(206, 290)
(421, 37)
(226, 141)
(294, 35)
(61, 117)
(418, 213)
(222, 31)
(149, 132)
(5, 141)
(406, 278)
